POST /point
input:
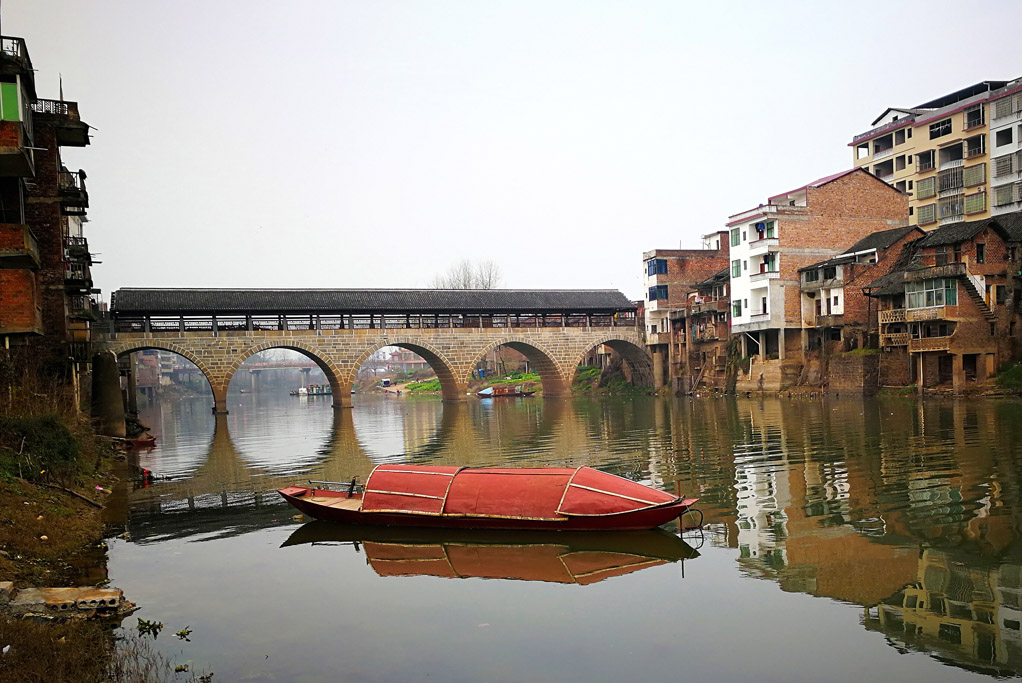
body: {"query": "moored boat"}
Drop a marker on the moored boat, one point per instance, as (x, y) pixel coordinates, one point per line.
(503, 392)
(544, 498)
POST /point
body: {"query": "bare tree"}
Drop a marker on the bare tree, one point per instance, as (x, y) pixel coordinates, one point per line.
(465, 275)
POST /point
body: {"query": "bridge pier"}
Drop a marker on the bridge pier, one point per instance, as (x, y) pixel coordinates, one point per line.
(107, 402)
(220, 400)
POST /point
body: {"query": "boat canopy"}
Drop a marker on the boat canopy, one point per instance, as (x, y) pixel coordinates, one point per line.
(549, 493)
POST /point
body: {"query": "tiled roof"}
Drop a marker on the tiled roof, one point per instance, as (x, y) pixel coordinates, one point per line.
(241, 301)
(957, 233)
(881, 239)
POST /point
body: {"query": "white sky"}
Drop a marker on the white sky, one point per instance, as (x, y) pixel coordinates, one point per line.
(375, 143)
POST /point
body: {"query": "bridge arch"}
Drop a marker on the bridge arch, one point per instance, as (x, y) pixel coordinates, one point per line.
(452, 386)
(556, 380)
(121, 348)
(340, 392)
(635, 357)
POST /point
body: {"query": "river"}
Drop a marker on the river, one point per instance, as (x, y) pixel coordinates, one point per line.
(845, 539)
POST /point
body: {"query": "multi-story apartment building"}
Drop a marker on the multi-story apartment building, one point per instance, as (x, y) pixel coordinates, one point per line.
(940, 152)
(46, 288)
(770, 243)
(699, 336)
(1006, 152)
(946, 312)
(669, 275)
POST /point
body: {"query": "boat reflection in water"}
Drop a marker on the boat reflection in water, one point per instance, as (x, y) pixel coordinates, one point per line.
(559, 556)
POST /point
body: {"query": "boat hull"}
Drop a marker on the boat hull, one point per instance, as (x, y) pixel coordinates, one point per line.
(647, 518)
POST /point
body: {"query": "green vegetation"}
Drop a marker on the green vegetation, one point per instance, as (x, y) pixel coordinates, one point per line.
(516, 378)
(1010, 377)
(862, 352)
(587, 378)
(429, 385)
(32, 447)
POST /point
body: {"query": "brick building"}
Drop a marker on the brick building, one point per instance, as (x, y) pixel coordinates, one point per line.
(836, 314)
(770, 243)
(699, 336)
(949, 311)
(46, 287)
(670, 275)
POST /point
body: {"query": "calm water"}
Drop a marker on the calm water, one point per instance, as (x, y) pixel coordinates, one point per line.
(845, 540)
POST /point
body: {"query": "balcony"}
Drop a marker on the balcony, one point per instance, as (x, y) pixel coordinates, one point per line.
(654, 338)
(18, 246)
(898, 339)
(15, 156)
(915, 315)
(74, 198)
(816, 285)
(763, 244)
(948, 270)
(764, 275)
(835, 320)
(63, 116)
(758, 211)
(883, 154)
(930, 344)
(894, 315)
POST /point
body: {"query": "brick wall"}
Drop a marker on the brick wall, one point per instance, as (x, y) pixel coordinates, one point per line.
(686, 268)
(894, 367)
(838, 215)
(18, 301)
(853, 372)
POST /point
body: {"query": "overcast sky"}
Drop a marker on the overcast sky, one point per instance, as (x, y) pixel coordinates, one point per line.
(375, 143)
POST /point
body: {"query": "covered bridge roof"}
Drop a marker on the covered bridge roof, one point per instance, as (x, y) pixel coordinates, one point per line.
(139, 301)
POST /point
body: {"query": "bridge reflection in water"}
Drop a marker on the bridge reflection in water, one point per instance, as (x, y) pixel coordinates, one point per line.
(912, 511)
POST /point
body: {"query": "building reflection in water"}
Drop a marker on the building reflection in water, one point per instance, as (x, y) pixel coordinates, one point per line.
(909, 509)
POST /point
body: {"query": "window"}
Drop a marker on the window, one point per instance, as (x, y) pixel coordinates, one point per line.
(736, 237)
(657, 266)
(899, 163)
(830, 272)
(934, 292)
(771, 229)
(658, 292)
(736, 268)
(9, 110)
(975, 203)
(1001, 296)
(837, 301)
(737, 312)
(1003, 195)
(927, 214)
(11, 204)
(940, 129)
(911, 211)
(745, 264)
(1003, 137)
(927, 187)
(909, 133)
(1005, 165)
(976, 145)
(974, 175)
(927, 160)
(981, 253)
(974, 116)
(811, 276)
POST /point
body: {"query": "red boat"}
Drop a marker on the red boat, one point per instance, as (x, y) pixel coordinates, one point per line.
(561, 498)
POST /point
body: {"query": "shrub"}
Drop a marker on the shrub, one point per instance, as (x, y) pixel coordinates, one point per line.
(1011, 377)
(30, 446)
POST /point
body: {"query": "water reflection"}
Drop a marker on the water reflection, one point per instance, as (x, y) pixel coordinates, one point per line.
(909, 510)
(581, 558)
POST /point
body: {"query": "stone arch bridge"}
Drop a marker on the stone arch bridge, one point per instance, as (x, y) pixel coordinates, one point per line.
(218, 329)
